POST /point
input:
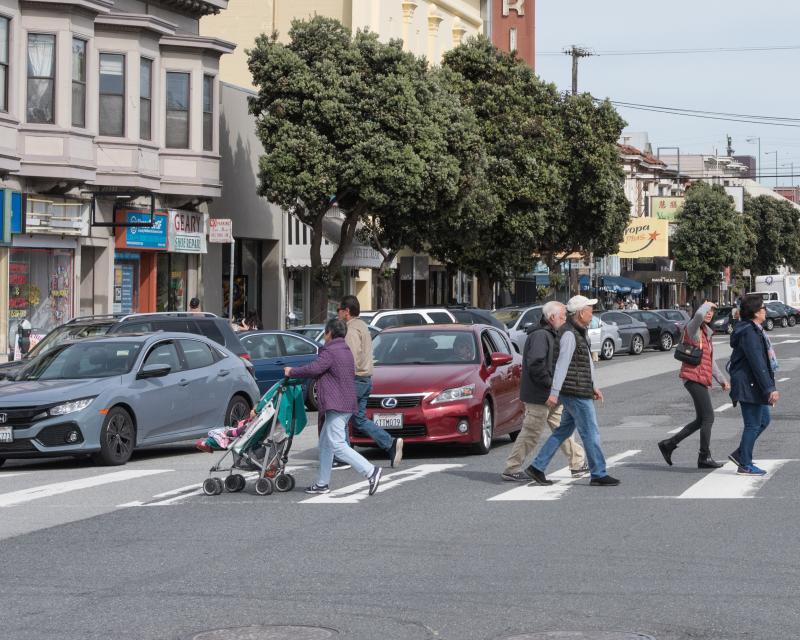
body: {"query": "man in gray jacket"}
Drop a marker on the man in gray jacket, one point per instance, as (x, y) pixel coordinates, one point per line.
(538, 357)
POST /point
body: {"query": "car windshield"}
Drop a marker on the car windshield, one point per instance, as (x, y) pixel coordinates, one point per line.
(425, 347)
(507, 316)
(722, 312)
(83, 360)
(67, 332)
(309, 332)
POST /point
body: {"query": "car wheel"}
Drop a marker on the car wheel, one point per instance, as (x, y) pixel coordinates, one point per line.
(637, 345)
(665, 342)
(769, 325)
(238, 409)
(311, 396)
(784, 322)
(607, 350)
(484, 444)
(792, 321)
(117, 438)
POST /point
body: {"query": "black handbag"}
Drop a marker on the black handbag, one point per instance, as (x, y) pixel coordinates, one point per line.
(688, 353)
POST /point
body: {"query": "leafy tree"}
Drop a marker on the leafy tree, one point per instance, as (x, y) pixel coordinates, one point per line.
(504, 219)
(710, 235)
(776, 226)
(349, 119)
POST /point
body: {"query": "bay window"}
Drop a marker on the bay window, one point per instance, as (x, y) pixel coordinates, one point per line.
(112, 94)
(41, 78)
(177, 134)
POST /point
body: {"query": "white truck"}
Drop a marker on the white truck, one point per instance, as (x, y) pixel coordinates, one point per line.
(785, 288)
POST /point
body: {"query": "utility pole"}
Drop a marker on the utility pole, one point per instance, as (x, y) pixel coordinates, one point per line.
(576, 53)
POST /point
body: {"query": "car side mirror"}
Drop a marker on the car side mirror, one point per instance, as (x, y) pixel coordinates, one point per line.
(527, 325)
(153, 371)
(501, 359)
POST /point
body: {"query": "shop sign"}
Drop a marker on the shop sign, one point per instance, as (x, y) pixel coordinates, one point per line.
(220, 230)
(187, 232)
(645, 238)
(145, 237)
(11, 218)
(666, 207)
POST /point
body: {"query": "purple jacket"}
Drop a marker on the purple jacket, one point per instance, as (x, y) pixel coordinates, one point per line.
(336, 373)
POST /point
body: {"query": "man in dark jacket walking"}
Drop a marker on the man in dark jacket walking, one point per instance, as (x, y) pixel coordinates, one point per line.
(539, 357)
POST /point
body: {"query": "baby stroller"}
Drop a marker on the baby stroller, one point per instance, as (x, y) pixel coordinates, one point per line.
(263, 444)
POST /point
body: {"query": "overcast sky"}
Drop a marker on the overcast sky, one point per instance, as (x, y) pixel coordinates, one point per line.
(759, 83)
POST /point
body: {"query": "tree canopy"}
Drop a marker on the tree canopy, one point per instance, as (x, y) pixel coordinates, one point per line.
(776, 226)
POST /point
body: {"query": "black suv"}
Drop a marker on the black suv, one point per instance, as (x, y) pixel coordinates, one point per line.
(204, 324)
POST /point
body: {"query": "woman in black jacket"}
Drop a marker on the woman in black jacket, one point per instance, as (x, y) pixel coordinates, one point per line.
(752, 368)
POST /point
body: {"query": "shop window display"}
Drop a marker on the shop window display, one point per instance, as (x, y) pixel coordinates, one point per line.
(173, 273)
(40, 296)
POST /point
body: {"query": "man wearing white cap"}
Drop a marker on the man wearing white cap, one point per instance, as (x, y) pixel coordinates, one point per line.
(574, 387)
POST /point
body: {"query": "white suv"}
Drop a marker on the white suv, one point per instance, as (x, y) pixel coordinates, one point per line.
(406, 317)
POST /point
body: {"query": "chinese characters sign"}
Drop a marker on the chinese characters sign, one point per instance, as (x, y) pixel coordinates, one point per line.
(665, 207)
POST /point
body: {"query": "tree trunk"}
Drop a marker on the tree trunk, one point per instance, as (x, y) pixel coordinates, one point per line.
(319, 278)
(385, 290)
(485, 290)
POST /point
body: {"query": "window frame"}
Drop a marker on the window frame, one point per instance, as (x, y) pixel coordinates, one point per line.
(207, 78)
(4, 105)
(82, 83)
(149, 99)
(285, 340)
(188, 109)
(100, 93)
(51, 78)
(161, 343)
(185, 358)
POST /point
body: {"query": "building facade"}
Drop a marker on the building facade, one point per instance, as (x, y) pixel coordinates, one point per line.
(108, 157)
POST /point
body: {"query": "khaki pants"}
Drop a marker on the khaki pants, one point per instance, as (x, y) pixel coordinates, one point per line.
(536, 417)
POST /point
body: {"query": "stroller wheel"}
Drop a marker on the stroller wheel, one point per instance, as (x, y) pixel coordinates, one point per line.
(220, 485)
(210, 486)
(264, 486)
(284, 482)
(235, 482)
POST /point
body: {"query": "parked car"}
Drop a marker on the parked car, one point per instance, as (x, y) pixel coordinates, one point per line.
(519, 321)
(475, 315)
(450, 314)
(445, 384)
(775, 316)
(663, 333)
(633, 333)
(108, 395)
(723, 320)
(315, 331)
(678, 316)
(787, 316)
(604, 338)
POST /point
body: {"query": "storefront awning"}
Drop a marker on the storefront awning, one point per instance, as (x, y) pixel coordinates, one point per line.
(613, 284)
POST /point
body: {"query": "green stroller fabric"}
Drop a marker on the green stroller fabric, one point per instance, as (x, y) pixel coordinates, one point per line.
(292, 406)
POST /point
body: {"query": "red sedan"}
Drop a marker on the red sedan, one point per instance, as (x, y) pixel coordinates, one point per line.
(445, 384)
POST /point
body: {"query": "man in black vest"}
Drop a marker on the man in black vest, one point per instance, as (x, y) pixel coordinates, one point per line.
(574, 387)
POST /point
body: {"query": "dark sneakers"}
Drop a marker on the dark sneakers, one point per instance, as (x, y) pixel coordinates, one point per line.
(705, 461)
(338, 464)
(605, 481)
(374, 481)
(517, 476)
(537, 476)
(734, 458)
(396, 452)
(318, 488)
(666, 448)
(579, 473)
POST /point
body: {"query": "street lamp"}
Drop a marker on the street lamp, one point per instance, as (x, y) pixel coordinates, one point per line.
(758, 164)
(766, 153)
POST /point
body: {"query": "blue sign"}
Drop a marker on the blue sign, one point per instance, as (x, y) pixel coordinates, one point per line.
(11, 220)
(16, 213)
(151, 237)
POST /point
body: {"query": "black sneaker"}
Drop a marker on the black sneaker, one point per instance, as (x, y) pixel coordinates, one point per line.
(579, 473)
(537, 476)
(605, 481)
(517, 476)
(396, 452)
(734, 458)
(338, 464)
(318, 488)
(374, 481)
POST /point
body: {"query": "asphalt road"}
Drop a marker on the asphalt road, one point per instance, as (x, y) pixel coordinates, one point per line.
(444, 550)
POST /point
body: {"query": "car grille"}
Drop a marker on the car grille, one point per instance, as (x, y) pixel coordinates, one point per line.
(16, 446)
(403, 402)
(22, 417)
(408, 431)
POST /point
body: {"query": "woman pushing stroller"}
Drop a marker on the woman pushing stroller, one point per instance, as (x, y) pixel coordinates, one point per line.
(334, 370)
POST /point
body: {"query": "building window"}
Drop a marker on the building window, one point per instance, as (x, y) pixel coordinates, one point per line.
(177, 134)
(41, 77)
(145, 98)
(78, 82)
(512, 39)
(5, 23)
(112, 94)
(208, 113)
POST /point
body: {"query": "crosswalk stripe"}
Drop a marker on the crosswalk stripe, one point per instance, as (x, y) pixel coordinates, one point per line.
(725, 483)
(724, 407)
(786, 342)
(554, 491)
(8, 474)
(357, 492)
(783, 379)
(57, 488)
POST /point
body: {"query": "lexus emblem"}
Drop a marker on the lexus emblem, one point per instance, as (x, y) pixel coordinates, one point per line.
(389, 403)
(3, 418)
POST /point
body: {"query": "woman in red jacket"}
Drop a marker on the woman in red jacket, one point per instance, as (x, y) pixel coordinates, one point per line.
(698, 380)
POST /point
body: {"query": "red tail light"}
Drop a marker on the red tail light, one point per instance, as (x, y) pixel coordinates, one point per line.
(245, 356)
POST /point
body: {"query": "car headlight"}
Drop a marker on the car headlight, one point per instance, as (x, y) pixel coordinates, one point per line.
(70, 407)
(456, 393)
(719, 322)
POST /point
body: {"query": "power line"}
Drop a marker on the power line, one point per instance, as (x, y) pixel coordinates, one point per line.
(654, 52)
(707, 112)
(668, 111)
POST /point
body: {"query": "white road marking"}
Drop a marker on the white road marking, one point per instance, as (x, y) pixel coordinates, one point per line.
(554, 491)
(8, 474)
(725, 483)
(57, 488)
(786, 342)
(675, 430)
(357, 492)
(722, 408)
(783, 379)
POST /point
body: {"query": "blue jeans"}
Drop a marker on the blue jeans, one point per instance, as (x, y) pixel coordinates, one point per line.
(756, 418)
(360, 422)
(578, 413)
(332, 443)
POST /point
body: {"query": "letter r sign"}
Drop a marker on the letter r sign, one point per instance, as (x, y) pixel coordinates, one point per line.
(514, 5)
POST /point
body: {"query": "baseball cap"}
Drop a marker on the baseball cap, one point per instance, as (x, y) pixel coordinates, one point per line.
(576, 303)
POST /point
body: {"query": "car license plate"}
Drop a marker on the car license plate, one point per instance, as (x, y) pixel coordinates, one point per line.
(6, 434)
(388, 420)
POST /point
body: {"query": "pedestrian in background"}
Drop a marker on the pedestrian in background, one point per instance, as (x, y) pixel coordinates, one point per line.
(360, 343)
(752, 367)
(538, 363)
(334, 370)
(574, 386)
(194, 305)
(698, 381)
